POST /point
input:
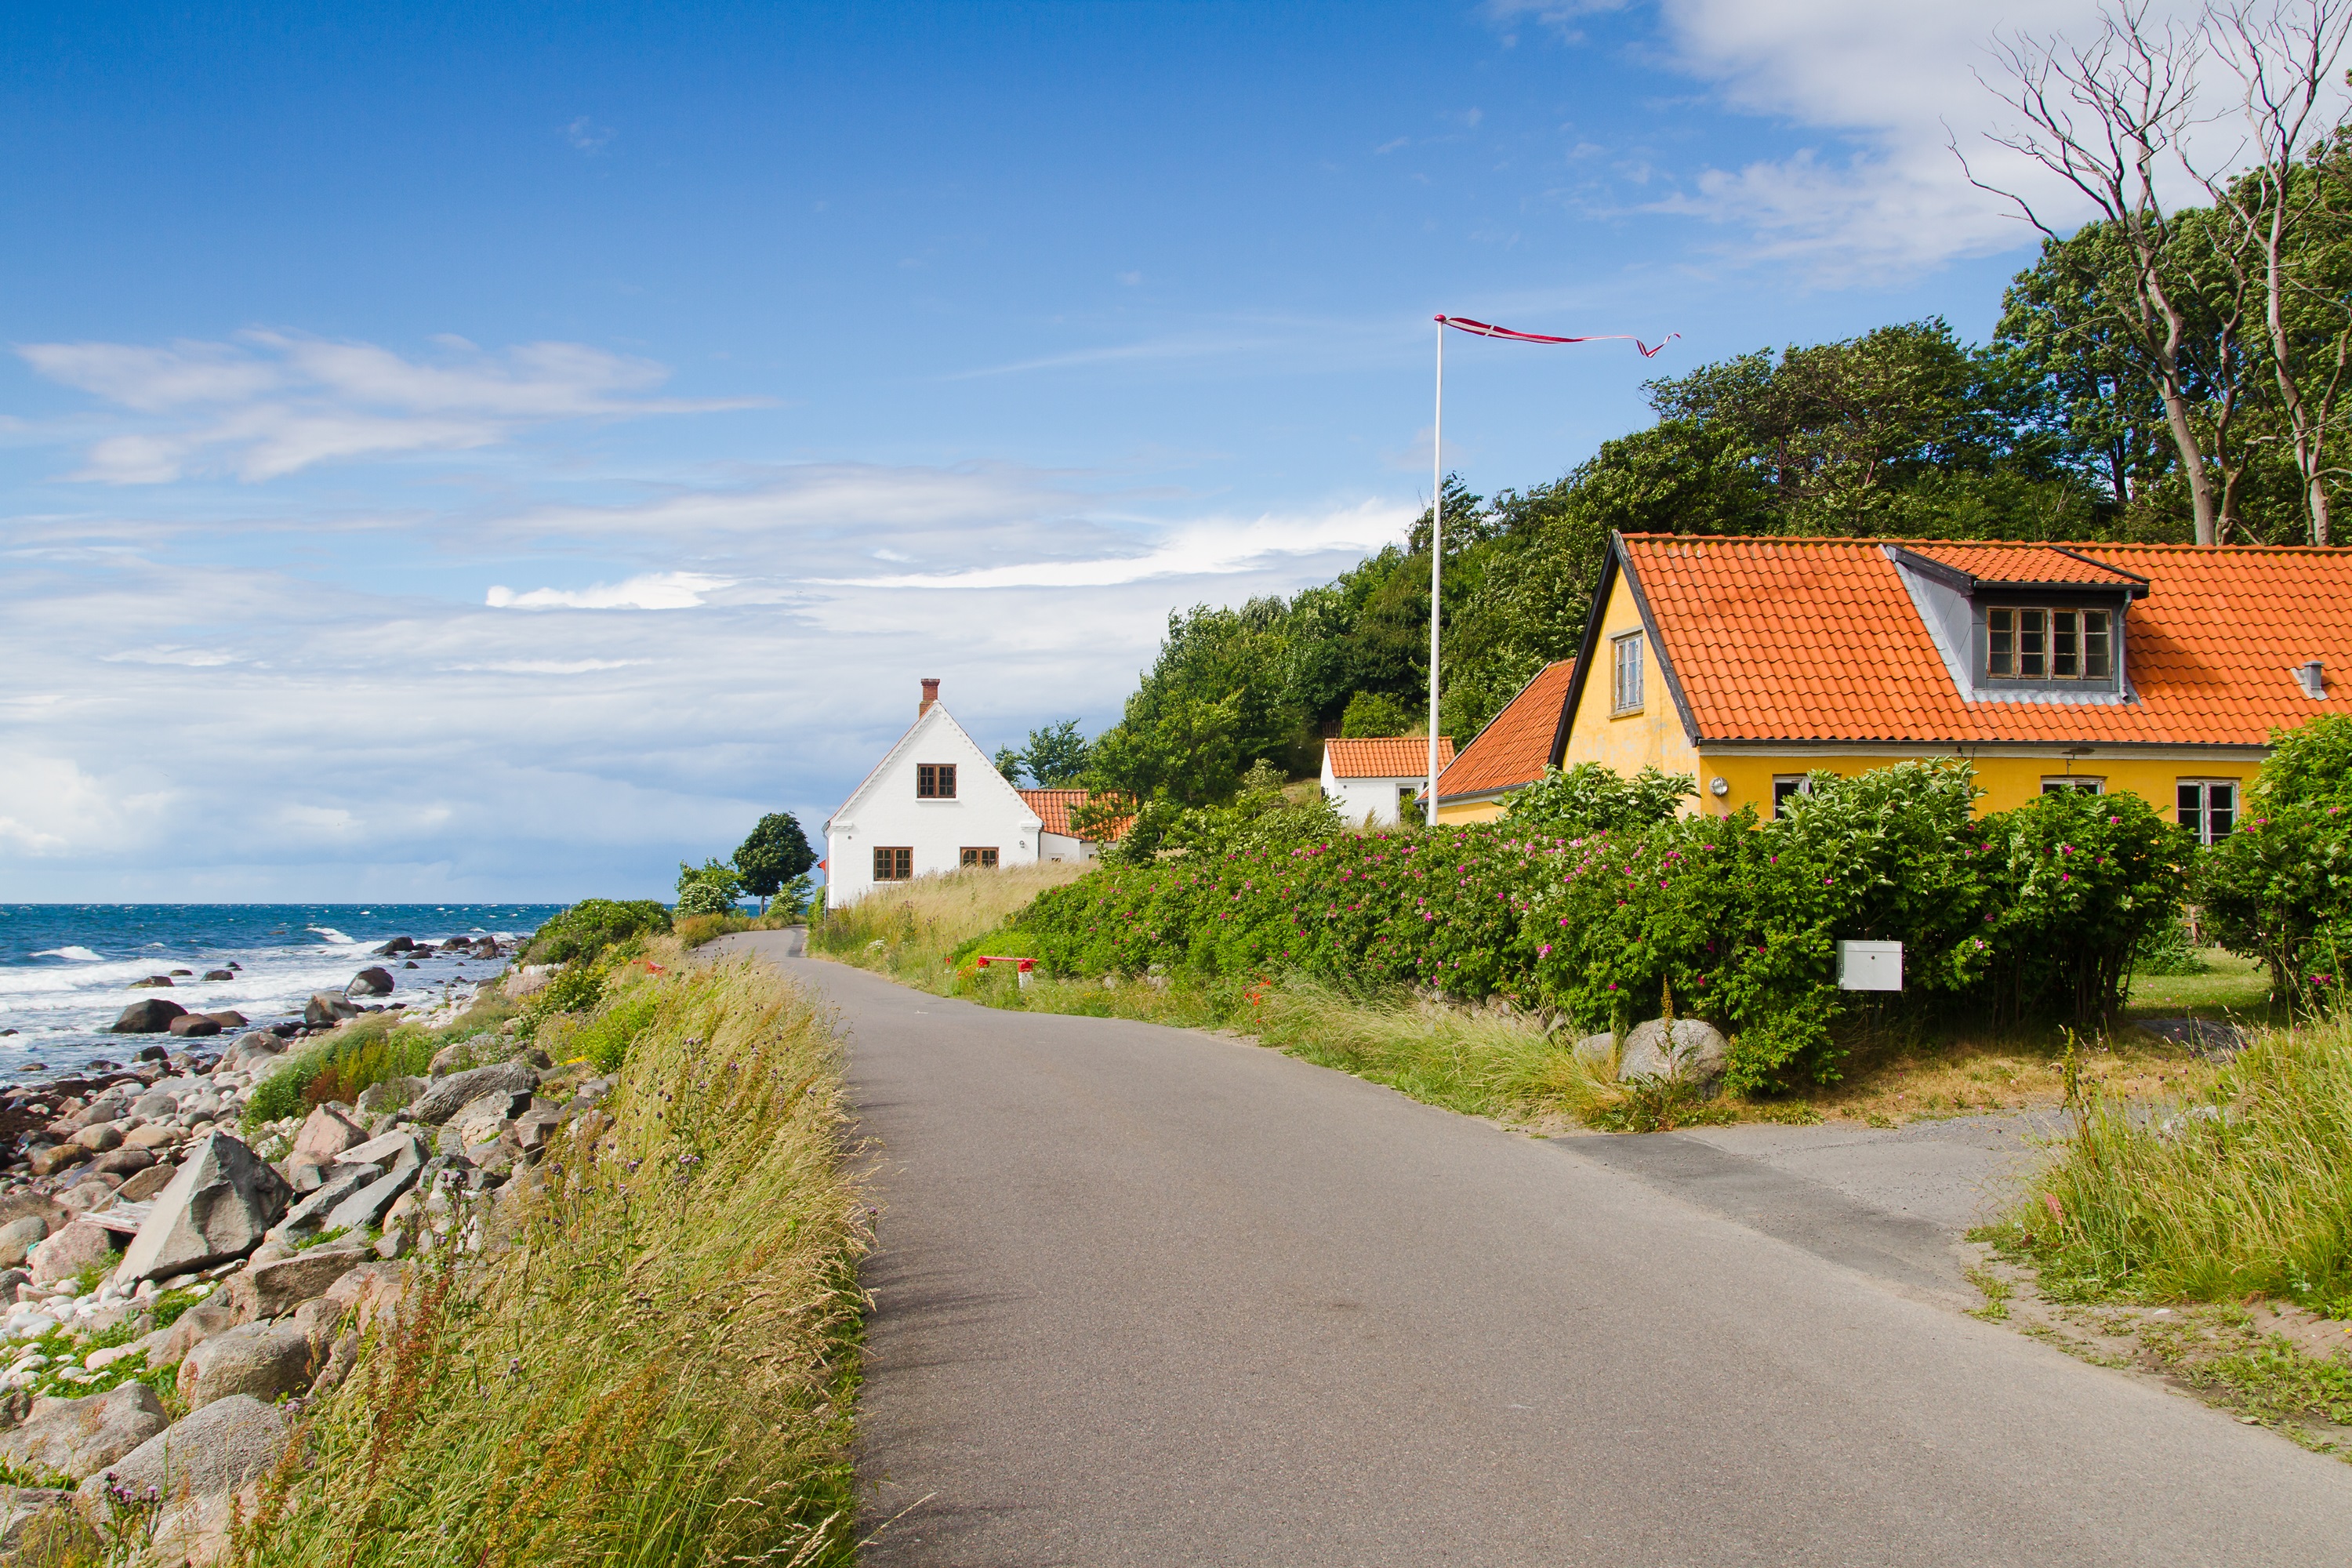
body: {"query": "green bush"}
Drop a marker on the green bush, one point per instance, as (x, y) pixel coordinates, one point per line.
(2029, 911)
(589, 927)
(2280, 888)
(1588, 798)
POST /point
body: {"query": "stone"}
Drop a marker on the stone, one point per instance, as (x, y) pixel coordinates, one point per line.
(325, 1007)
(152, 1016)
(152, 983)
(396, 946)
(16, 1206)
(1698, 1052)
(454, 1058)
(83, 1197)
(1597, 1052)
(220, 974)
(155, 1135)
(453, 1093)
(366, 1293)
(528, 981)
(19, 1237)
(78, 1438)
(217, 1208)
(99, 1139)
(193, 1024)
(273, 1289)
(197, 1324)
(152, 1104)
(229, 1018)
(260, 1046)
(365, 1207)
(141, 1185)
(326, 1134)
(482, 1118)
(372, 981)
(309, 1217)
(390, 1095)
(122, 1161)
(48, 1162)
(21, 1506)
(73, 1248)
(211, 1453)
(153, 1054)
(264, 1360)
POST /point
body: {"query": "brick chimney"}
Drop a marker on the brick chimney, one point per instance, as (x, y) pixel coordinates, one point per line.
(930, 694)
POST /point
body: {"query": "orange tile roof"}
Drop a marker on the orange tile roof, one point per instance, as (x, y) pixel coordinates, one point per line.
(2026, 563)
(1788, 639)
(1515, 745)
(1054, 807)
(1388, 757)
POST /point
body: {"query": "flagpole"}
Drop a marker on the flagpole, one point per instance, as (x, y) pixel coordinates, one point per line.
(1436, 556)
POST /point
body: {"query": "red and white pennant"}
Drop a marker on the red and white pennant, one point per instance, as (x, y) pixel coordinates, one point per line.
(1488, 329)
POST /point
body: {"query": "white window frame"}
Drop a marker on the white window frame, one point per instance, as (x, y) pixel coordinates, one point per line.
(2200, 821)
(2056, 783)
(1784, 786)
(1625, 673)
(2073, 644)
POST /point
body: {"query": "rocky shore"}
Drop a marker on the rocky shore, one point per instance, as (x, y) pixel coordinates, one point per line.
(179, 1282)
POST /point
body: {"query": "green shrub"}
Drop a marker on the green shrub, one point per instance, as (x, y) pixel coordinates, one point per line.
(2167, 950)
(2280, 888)
(1588, 798)
(710, 889)
(589, 927)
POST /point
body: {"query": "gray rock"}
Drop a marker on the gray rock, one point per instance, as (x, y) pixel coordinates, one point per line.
(483, 1119)
(214, 1451)
(152, 1104)
(390, 1095)
(19, 1237)
(1596, 1051)
(200, 1323)
(365, 1207)
(375, 980)
(264, 1360)
(152, 1016)
(456, 1057)
(273, 1289)
(459, 1089)
(394, 1151)
(1698, 1052)
(20, 1505)
(309, 1217)
(326, 1134)
(141, 1185)
(219, 1207)
(328, 1008)
(77, 1247)
(74, 1438)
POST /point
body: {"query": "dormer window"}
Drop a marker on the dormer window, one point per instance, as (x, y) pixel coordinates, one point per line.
(2035, 644)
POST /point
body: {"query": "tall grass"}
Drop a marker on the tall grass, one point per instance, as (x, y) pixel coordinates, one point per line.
(2247, 1191)
(653, 1362)
(911, 929)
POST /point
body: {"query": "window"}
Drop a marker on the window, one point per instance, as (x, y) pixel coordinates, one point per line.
(894, 865)
(2050, 645)
(2208, 808)
(2061, 783)
(976, 855)
(935, 781)
(1786, 787)
(1625, 663)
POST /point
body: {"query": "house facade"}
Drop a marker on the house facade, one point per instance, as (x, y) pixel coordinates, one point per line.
(1511, 753)
(1368, 780)
(934, 802)
(2157, 669)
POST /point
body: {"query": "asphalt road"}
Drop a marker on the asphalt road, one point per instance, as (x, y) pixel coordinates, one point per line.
(1144, 1295)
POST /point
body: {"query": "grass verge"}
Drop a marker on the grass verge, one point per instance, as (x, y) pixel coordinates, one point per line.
(650, 1358)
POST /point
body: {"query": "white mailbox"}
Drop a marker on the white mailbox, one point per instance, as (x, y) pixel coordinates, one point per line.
(1870, 967)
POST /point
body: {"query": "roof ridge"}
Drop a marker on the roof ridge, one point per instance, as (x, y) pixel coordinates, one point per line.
(1875, 539)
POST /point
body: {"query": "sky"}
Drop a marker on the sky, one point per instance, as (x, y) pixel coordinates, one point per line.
(496, 452)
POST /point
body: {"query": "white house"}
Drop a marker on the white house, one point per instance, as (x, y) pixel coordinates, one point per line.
(1368, 780)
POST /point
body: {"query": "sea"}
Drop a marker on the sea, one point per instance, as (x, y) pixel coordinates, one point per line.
(66, 969)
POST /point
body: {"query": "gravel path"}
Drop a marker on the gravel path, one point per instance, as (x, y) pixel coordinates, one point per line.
(1145, 1296)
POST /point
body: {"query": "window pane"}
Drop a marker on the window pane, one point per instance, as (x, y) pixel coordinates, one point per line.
(2066, 655)
(2000, 642)
(1784, 792)
(2220, 811)
(2098, 648)
(947, 781)
(2189, 808)
(927, 784)
(2031, 633)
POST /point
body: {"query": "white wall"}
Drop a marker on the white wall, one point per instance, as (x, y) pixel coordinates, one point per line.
(1061, 847)
(885, 811)
(1355, 799)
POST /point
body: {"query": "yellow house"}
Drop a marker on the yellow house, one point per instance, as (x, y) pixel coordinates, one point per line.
(1752, 662)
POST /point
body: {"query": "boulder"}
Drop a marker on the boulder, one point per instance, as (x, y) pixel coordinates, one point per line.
(390, 1095)
(326, 1007)
(454, 1058)
(78, 1438)
(154, 1135)
(220, 974)
(19, 1237)
(367, 1292)
(366, 1206)
(152, 1016)
(264, 1360)
(260, 1046)
(395, 947)
(197, 1324)
(48, 1162)
(19, 1205)
(20, 1507)
(74, 1247)
(192, 1024)
(210, 1453)
(1698, 1051)
(459, 1089)
(217, 1208)
(375, 980)
(326, 1134)
(1596, 1051)
(141, 1185)
(229, 1018)
(273, 1289)
(482, 1118)
(99, 1139)
(155, 1103)
(83, 1197)
(309, 1217)
(122, 1161)
(529, 980)
(152, 983)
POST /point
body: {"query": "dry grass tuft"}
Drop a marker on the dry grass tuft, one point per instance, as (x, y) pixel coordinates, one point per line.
(909, 928)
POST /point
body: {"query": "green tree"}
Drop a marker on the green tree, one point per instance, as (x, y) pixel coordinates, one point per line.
(709, 888)
(1372, 714)
(1056, 757)
(776, 852)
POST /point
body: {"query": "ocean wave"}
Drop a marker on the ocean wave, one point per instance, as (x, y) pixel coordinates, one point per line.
(78, 955)
(331, 934)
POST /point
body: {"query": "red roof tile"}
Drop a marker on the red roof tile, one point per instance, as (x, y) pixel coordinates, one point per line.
(1515, 745)
(1388, 757)
(2027, 564)
(1054, 807)
(1818, 639)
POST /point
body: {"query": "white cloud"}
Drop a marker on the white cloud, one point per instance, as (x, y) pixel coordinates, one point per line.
(195, 657)
(586, 135)
(546, 666)
(654, 590)
(272, 403)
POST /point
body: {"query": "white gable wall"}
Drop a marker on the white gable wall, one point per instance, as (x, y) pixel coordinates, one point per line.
(987, 812)
(1355, 799)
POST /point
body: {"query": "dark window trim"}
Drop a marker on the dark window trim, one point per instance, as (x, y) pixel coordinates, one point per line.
(899, 865)
(988, 856)
(935, 781)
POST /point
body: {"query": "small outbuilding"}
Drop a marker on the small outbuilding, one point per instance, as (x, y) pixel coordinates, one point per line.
(1368, 781)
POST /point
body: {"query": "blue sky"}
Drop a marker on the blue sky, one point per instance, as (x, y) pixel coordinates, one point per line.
(495, 452)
